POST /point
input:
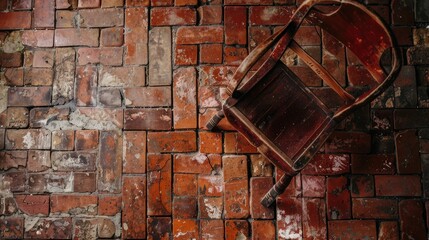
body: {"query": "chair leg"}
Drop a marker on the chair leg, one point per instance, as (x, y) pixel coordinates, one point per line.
(277, 189)
(215, 120)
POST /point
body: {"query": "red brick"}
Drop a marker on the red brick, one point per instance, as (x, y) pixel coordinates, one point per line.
(236, 229)
(43, 59)
(407, 152)
(196, 163)
(84, 182)
(374, 208)
(147, 119)
(172, 16)
(38, 161)
(388, 231)
(112, 37)
(66, 19)
(210, 14)
(28, 139)
(73, 161)
(73, 204)
(159, 228)
(134, 207)
(43, 14)
(289, 218)
(12, 227)
(134, 152)
(16, 181)
(209, 97)
(382, 119)
(148, 97)
(257, 35)
(38, 38)
(258, 188)
(127, 76)
(50, 228)
(161, 2)
(109, 56)
(212, 229)
(33, 204)
(210, 207)
(398, 185)
(109, 205)
(86, 139)
(334, 55)
(159, 187)
(234, 55)
(137, 3)
(236, 143)
(21, 4)
(235, 19)
(248, 2)
(211, 186)
(62, 140)
(236, 199)
(185, 207)
(352, 229)
(76, 37)
(362, 186)
(110, 164)
(185, 55)
(88, 3)
(13, 159)
(328, 164)
(373, 164)
(111, 17)
(270, 15)
(38, 76)
(211, 53)
(338, 198)
(14, 76)
(235, 168)
(112, 3)
(136, 39)
(185, 2)
(185, 229)
(411, 219)
(210, 142)
(215, 75)
(185, 185)
(184, 141)
(348, 142)
(314, 221)
(39, 116)
(10, 59)
(15, 20)
(263, 229)
(199, 34)
(313, 186)
(295, 187)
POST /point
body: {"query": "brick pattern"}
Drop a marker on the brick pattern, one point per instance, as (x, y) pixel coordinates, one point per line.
(103, 106)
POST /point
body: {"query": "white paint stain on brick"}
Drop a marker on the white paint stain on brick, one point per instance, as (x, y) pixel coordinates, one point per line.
(212, 211)
(28, 140)
(200, 158)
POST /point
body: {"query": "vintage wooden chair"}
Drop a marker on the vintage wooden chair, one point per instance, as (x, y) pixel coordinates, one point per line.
(281, 116)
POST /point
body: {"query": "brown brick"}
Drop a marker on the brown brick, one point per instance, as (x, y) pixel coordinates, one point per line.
(28, 139)
(12, 227)
(411, 118)
(237, 199)
(44, 14)
(56, 182)
(110, 17)
(134, 197)
(210, 207)
(261, 166)
(210, 14)
(402, 12)
(13, 77)
(407, 152)
(63, 87)
(73, 161)
(43, 59)
(15, 20)
(258, 188)
(73, 204)
(270, 15)
(263, 229)
(84, 182)
(373, 164)
(199, 34)
(185, 185)
(184, 141)
(66, 19)
(110, 163)
(166, 16)
(159, 228)
(236, 229)
(185, 207)
(313, 186)
(86, 85)
(29, 96)
(88, 3)
(86, 139)
(215, 75)
(338, 198)
(76, 37)
(112, 3)
(110, 97)
(50, 228)
(136, 40)
(62, 140)
(38, 161)
(129, 76)
(236, 143)
(196, 163)
(109, 205)
(38, 38)
(210, 142)
(314, 221)
(17, 117)
(16, 181)
(370, 208)
(352, 229)
(112, 37)
(411, 219)
(148, 97)
(13, 159)
(185, 229)
(388, 231)
(134, 152)
(289, 217)
(147, 119)
(235, 19)
(406, 185)
(85, 228)
(160, 55)
(212, 229)
(38, 76)
(21, 5)
(362, 186)
(33, 204)
(159, 185)
(99, 118)
(10, 59)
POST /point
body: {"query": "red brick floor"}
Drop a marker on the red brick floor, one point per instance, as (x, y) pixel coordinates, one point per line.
(103, 106)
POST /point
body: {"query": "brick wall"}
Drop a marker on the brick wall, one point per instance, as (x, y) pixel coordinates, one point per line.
(103, 105)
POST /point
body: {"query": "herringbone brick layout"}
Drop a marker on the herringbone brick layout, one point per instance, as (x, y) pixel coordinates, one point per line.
(103, 106)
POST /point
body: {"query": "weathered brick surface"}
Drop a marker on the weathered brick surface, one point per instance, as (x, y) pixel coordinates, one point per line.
(103, 113)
